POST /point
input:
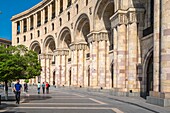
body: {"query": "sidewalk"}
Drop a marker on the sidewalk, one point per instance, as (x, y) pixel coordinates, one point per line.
(136, 101)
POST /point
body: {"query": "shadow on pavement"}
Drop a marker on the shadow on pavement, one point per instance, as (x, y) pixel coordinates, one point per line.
(35, 97)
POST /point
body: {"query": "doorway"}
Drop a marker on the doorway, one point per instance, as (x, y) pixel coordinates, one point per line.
(149, 84)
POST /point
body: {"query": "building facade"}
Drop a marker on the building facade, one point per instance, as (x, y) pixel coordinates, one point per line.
(121, 45)
(5, 42)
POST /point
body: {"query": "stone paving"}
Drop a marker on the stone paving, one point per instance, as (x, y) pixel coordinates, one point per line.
(65, 100)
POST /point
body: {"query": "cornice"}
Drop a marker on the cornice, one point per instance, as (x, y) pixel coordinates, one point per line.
(31, 10)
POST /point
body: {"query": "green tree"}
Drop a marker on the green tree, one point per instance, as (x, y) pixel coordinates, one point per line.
(17, 62)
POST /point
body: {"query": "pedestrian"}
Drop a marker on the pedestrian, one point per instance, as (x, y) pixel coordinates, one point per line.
(47, 87)
(43, 87)
(25, 87)
(38, 87)
(17, 90)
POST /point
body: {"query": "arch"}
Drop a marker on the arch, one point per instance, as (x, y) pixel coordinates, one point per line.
(49, 44)
(64, 39)
(35, 46)
(82, 28)
(104, 9)
(147, 61)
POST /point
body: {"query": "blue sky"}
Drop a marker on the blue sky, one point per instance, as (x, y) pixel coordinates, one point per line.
(10, 8)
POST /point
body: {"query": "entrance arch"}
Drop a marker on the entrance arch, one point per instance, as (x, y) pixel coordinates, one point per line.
(149, 74)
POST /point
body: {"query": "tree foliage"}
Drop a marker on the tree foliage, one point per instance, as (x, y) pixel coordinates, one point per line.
(17, 62)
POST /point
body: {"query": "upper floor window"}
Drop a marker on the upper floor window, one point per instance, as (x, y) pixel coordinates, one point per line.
(18, 27)
(31, 36)
(77, 8)
(68, 14)
(52, 26)
(60, 21)
(24, 38)
(38, 33)
(69, 3)
(45, 30)
(17, 39)
(61, 6)
(87, 2)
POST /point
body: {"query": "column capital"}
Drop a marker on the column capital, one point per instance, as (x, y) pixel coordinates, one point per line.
(61, 51)
(120, 17)
(78, 46)
(98, 36)
(135, 15)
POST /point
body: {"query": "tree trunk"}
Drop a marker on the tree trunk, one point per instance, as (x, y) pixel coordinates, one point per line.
(6, 90)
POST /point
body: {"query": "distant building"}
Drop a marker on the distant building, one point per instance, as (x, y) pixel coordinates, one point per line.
(5, 42)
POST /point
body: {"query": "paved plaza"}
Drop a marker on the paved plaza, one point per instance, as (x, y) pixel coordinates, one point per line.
(66, 100)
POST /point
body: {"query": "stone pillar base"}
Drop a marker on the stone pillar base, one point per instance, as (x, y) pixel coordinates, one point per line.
(159, 98)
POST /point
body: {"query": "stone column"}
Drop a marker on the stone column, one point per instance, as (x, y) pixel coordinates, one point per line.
(21, 26)
(64, 55)
(58, 67)
(74, 64)
(56, 8)
(133, 52)
(92, 39)
(115, 57)
(121, 55)
(35, 20)
(81, 62)
(103, 57)
(42, 16)
(49, 12)
(165, 48)
(48, 67)
(28, 23)
(43, 67)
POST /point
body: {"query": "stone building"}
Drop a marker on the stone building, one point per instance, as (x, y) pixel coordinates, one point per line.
(122, 45)
(5, 42)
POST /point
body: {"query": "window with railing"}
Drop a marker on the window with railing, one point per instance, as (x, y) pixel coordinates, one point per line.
(25, 28)
(18, 28)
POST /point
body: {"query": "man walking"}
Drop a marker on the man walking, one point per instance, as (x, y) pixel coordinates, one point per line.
(38, 87)
(43, 87)
(17, 90)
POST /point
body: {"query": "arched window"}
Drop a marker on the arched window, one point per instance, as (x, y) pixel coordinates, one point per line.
(38, 33)
(24, 38)
(17, 39)
(60, 21)
(31, 36)
(77, 8)
(45, 29)
(68, 14)
(52, 26)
